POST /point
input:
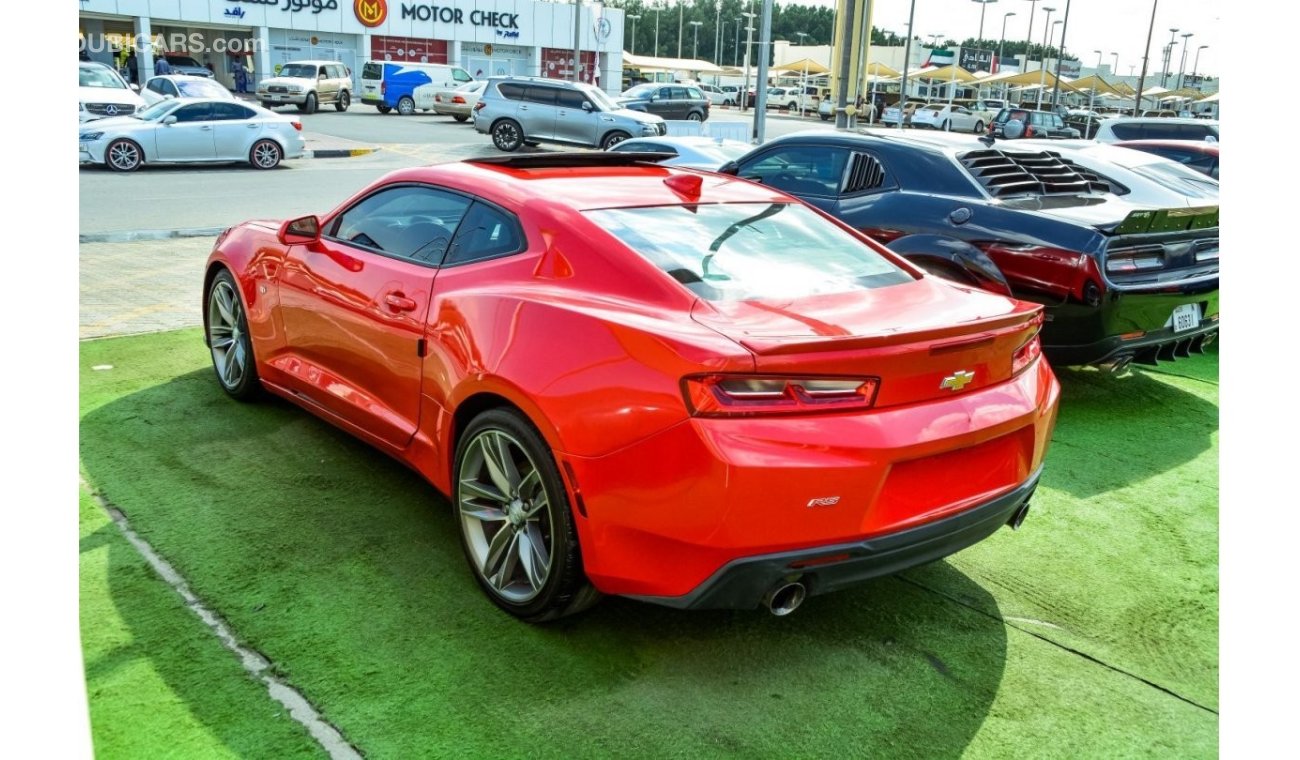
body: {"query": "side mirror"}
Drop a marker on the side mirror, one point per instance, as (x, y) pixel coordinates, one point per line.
(1014, 129)
(587, 106)
(321, 75)
(135, 87)
(301, 231)
(731, 167)
(169, 120)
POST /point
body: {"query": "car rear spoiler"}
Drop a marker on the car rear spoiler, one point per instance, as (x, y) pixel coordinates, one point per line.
(1169, 220)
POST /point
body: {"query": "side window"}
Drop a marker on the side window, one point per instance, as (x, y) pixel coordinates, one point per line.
(541, 95)
(1058, 122)
(800, 171)
(511, 91)
(231, 112)
(486, 233)
(193, 112)
(410, 221)
(664, 93)
(1127, 131)
(680, 93)
(694, 94)
(866, 173)
(570, 99)
(169, 88)
(461, 75)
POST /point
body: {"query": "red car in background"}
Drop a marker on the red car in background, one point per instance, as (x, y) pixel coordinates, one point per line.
(1201, 156)
(644, 380)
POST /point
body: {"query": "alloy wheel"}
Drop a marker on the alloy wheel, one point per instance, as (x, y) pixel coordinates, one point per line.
(505, 516)
(124, 155)
(266, 155)
(225, 336)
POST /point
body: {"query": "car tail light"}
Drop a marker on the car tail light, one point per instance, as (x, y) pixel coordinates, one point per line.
(749, 395)
(1026, 354)
(1138, 260)
(1029, 131)
(479, 106)
(458, 99)
(297, 125)
(383, 88)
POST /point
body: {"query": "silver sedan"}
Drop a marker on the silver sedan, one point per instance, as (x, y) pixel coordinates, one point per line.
(694, 152)
(458, 103)
(203, 130)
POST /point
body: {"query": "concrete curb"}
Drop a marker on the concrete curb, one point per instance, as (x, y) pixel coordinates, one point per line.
(339, 152)
(132, 236)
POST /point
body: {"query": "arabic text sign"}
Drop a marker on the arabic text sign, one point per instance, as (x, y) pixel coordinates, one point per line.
(292, 6)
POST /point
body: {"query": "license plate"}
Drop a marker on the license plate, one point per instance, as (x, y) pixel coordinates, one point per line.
(1185, 317)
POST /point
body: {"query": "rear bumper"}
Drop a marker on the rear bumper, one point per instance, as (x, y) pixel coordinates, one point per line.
(1152, 348)
(1130, 324)
(741, 584)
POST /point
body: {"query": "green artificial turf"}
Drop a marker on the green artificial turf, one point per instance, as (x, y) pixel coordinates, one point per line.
(1092, 631)
(160, 685)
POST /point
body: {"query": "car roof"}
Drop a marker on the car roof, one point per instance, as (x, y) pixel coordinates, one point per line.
(317, 62)
(1198, 146)
(183, 77)
(1163, 120)
(584, 187)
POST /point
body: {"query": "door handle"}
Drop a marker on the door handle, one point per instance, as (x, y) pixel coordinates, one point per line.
(399, 302)
(523, 108)
(251, 126)
(206, 129)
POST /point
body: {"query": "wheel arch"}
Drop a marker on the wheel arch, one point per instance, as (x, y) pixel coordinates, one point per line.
(495, 393)
(951, 258)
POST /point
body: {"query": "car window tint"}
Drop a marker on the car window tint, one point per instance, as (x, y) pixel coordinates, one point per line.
(540, 95)
(679, 93)
(155, 85)
(460, 75)
(486, 232)
(193, 112)
(1058, 122)
(664, 93)
(570, 99)
(800, 170)
(1127, 131)
(511, 91)
(742, 251)
(410, 221)
(694, 94)
(231, 112)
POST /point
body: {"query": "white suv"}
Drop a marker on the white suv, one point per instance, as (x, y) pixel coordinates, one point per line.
(103, 92)
(1157, 128)
(307, 85)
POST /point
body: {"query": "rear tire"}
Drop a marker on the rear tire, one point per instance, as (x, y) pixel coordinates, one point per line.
(460, 117)
(507, 135)
(616, 137)
(406, 106)
(979, 128)
(516, 524)
(343, 102)
(265, 154)
(695, 116)
(268, 105)
(383, 109)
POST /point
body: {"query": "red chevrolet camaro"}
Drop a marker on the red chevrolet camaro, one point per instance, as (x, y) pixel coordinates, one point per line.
(642, 380)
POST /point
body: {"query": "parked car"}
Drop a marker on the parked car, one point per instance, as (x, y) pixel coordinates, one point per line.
(669, 101)
(987, 108)
(183, 86)
(1163, 113)
(717, 95)
(184, 64)
(203, 130)
(1048, 124)
(458, 103)
(953, 118)
(1120, 281)
(793, 99)
(1200, 156)
(307, 85)
(893, 116)
(392, 86)
(1156, 128)
(520, 111)
(103, 92)
(1086, 123)
(1138, 177)
(692, 151)
(781, 425)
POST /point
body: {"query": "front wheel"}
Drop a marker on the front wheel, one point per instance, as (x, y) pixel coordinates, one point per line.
(383, 109)
(228, 340)
(695, 116)
(406, 106)
(616, 137)
(309, 105)
(944, 126)
(516, 525)
(123, 156)
(460, 117)
(507, 136)
(343, 102)
(265, 154)
(979, 127)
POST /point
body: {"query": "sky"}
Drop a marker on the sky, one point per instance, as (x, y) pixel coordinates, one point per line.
(1118, 26)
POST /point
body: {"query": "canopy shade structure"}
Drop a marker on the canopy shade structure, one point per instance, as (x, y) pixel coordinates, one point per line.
(803, 65)
(1020, 79)
(669, 64)
(1148, 92)
(1125, 89)
(1095, 83)
(876, 69)
(1210, 98)
(946, 74)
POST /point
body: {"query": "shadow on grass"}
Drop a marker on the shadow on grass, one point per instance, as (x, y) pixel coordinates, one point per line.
(1167, 426)
(344, 568)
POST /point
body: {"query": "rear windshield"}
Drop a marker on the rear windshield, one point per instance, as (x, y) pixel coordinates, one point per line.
(743, 251)
(372, 71)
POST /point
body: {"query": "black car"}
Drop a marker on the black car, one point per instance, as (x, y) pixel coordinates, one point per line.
(670, 101)
(1038, 124)
(1120, 282)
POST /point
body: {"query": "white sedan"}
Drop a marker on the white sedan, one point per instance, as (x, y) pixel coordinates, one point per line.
(949, 118)
(205, 130)
(459, 102)
(694, 151)
(160, 88)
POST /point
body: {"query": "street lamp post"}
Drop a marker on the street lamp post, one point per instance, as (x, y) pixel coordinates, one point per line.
(1060, 56)
(983, 5)
(1182, 66)
(1197, 63)
(1002, 42)
(1049, 30)
(1169, 57)
(735, 50)
(801, 35)
(695, 53)
(1114, 70)
(1093, 93)
(1029, 34)
(907, 61)
(681, 16)
(633, 19)
(656, 53)
(749, 43)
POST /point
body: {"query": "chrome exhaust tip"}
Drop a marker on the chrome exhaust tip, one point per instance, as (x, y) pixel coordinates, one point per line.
(1018, 518)
(785, 598)
(1117, 365)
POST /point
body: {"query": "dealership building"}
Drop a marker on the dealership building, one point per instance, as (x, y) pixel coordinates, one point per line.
(485, 37)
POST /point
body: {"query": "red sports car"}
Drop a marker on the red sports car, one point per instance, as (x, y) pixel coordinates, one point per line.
(639, 380)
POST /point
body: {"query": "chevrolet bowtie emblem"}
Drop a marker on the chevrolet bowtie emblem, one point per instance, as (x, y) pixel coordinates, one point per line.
(957, 380)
